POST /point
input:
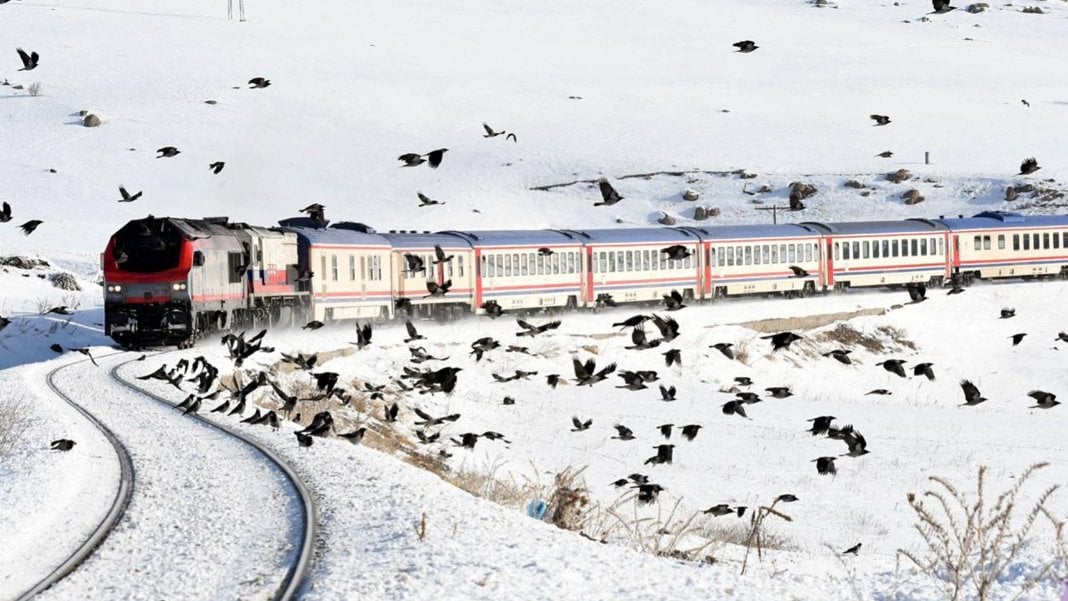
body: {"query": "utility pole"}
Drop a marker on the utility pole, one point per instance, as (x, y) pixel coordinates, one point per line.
(774, 212)
(240, 9)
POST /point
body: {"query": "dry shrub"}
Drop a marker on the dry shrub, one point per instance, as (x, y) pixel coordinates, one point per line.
(484, 483)
(13, 424)
(569, 500)
(970, 541)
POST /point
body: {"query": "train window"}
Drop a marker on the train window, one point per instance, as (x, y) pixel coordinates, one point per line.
(738, 253)
(507, 266)
(895, 246)
(646, 260)
(782, 253)
(572, 262)
(540, 264)
(523, 267)
(1001, 241)
(322, 263)
(767, 255)
(792, 250)
(1056, 240)
(904, 248)
(941, 246)
(866, 248)
(978, 242)
(837, 252)
(483, 267)
(449, 269)
(654, 260)
(986, 242)
(915, 246)
(619, 260)
(515, 263)
(1026, 242)
(612, 262)
(628, 256)
(730, 255)
(808, 251)
(352, 267)
(774, 253)
(1035, 238)
(923, 247)
(756, 255)
(845, 251)
(333, 267)
(1016, 242)
(875, 249)
(856, 251)
(603, 261)
(1064, 241)
(236, 267)
(747, 252)
(376, 261)
(1045, 240)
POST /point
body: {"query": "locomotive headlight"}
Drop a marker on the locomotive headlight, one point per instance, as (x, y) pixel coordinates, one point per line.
(114, 288)
(178, 286)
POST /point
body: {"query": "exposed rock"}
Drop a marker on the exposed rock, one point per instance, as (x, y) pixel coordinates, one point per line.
(702, 213)
(854, 184)
(1034, 10)
(747, 175)
(898, 176)
(211, 102)
(802, 190)
(690, 194)
(83, 113)
(765, 189)
(1011, 194)
(91, 120)
(64, 281)
(978, 7)
(912, 197)
(866, 193)
(666, 219)
(22, 262)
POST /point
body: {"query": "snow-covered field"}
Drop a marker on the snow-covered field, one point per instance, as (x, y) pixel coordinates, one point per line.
(590, 89)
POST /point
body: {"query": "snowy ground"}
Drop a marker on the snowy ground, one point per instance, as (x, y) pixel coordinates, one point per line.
(658, 89)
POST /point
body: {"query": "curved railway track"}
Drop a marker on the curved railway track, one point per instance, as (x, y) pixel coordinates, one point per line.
(299, 558)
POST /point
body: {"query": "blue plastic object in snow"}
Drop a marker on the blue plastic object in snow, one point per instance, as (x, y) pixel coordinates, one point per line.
(537, 509)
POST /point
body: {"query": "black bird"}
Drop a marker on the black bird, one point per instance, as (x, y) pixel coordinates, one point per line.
(545, 251)
(304, 440)
(429, 421)
(745, 46)
(414, 264)
(631, 322)
(689, 431)
(1017, 338)
(552, 380)
(222, 407)
(316, 212)
(748, 397)
(259, 82)
(192, 407)
(29, 61)
(648, 493)
(821, 424)
(798, 272)
(840, 355)
(880, 120)
(1029, 166)
(854, 442)
(585, 374)
(355, 436)
(779, 392)
(743, 380)
(725, 348)
(609, 196)
(623, 433)
(413, 334)
(325, 381)
(490, 133)
(425, 438)
(435, 289)
(942, 6)
(639, 341)
(532, 330)
(29, 227)
(782, 340)
(786, 498)
(606, 300)
(426, 201)
(894, 366)
(677, 252)
(735, 408)
(885, 154)
(1062, 336)
(917, 292)
(60, 310)
(440, 256)
(55, 347)
(126, 196)
(632, 380)
(255, 417)
(667, 394)
(664, 454)
(723, 509)
(1006, 313)
(168, 152)
(492, 308)
(467, 440)
(825, 466)
(5, 213)
(665, 430)
(313, 325)
(217, 167)
(1046, 400)
(63, 444)
(877, 391)
(669, 328)
(85, 351)
(434, 157)
(1025, 102)
(923, 369)
(673, 302)
(580, 426)
(856, 548)
(972, 396)
(411, 159)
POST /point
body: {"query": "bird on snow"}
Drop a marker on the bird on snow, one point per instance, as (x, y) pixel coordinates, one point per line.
(782, 340)
(168, 151)
(1046, 400)
(126, 196)
(735, 408)
(1062, 336)
(30, 226)
(745, 46)
(881, 391)
(313, 325)
(669, 328)
(259, 82)
(779, 392)
(1029, 166)
(623, 433)
(880, 120)
(355, 436)
(917, 292)
(972, 396)
(631, 322)
(743, 380)
(217, 167)
(413, 334)
(786, 498)
(363, 335)
(941, 7)
(63, 444)
(29, 61)
(426, 201)
(609, 196)
(672, 357)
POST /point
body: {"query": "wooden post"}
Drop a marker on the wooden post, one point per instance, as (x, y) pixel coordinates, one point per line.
(927, 157)
(774, 212)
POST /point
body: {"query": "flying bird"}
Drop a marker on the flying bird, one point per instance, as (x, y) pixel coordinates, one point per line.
(126, 196)
(782, 340)
(63, 444)
(894, 366)
(676, 252)
(1029, 166)
(840, 355)
(667, 393)
(972, 396)
(669, 328)
(413, 334)
(673, 301)
(168, 151)
(821, 424)
(923, 369)
(313, 325)
(29, 61)
(942, 6)
(217, 167)
(29, 227)
(880, 120)
(363, 335)
(689, 431)
(1046, 400)
(745, 46)
(623, 433)
(1017, 338)
(426, 201)
(440, 256)
(259, 82)
(885, 154)
(609, 196)
(779, 392)
(856, 548)
(411, 159)
(798, 272)
(735, 408)
(825, 466)
(434, 157)
(316, 212)
(580, 426)
(725, 348)
(1008, 313)
(438, 290)
(5, 213)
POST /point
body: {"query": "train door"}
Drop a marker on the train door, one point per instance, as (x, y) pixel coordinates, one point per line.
(587, 289)
(828, 260)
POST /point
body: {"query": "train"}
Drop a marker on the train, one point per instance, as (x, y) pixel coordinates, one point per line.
(172, 280)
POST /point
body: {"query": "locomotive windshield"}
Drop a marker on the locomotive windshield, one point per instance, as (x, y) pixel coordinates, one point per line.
(148, 246)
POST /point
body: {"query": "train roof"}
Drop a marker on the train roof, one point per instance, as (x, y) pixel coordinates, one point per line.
(334, 235)
(736, 232)
(425, 239)
(904, 226)
(490, 238)
(1002, 220)
(636, 235)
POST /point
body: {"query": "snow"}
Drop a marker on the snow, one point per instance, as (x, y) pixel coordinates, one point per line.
(354, 85)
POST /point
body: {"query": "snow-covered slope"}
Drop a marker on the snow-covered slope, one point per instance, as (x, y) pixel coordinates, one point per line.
(354, 85)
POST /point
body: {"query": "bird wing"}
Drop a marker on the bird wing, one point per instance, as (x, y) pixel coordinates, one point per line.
(525, 325)
(489, 130)
(412, 332)
(25, 57)
(608, 193)
(439, 253)
(580, 370)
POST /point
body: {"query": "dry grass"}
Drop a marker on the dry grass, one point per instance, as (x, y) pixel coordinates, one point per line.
(13, 424)
(971, 541)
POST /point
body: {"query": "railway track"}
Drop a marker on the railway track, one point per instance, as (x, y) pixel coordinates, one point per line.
(298, 546)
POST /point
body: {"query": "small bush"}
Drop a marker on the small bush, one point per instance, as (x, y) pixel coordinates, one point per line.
(34, 89)
(13, 424)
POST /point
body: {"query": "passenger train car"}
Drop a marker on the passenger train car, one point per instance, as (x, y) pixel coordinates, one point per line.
(170, 280)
